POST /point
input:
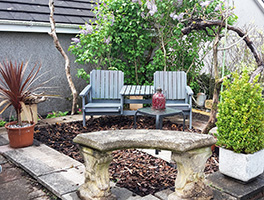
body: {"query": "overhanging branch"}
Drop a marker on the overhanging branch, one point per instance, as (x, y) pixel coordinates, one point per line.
(199, 25)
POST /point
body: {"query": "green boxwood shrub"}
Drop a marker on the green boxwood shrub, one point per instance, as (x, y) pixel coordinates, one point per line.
(240, 119)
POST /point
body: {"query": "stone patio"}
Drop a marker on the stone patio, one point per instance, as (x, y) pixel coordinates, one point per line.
(55, 171)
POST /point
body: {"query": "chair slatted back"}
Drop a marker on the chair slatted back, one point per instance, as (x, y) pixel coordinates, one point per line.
(106, 84)
(173, 83)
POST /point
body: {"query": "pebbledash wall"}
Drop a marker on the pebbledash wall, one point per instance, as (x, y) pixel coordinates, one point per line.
(38, 47)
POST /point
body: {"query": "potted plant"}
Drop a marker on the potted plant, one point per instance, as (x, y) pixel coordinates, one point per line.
(240, 129)
(16, 89)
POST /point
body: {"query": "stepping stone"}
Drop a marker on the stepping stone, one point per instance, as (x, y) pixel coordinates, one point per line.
(41, 160)
(64, 181)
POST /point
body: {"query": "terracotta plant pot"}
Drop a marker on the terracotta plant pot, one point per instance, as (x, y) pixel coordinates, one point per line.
(20, 137)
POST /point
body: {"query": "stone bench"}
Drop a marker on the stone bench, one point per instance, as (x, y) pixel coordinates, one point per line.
(189, 150)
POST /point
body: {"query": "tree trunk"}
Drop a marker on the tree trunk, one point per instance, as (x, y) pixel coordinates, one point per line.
(212, 119)
(66, 58)
(211, 122)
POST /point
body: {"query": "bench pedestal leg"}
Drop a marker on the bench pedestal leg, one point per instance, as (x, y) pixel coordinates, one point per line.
(97, 183)
(189, 183)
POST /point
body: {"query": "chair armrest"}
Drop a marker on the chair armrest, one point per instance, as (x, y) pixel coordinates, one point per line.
(189, 91)
(85, 91)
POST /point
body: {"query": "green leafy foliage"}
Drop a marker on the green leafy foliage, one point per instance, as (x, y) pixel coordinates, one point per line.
(240, 120)
(81, 73)
(2, 122)
(119, 40)
(140, 37)
(55, 114)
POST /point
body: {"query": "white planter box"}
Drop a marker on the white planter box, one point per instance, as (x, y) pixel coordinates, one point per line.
(240, 166)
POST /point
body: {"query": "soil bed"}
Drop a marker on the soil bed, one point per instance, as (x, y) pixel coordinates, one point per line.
(137, 171)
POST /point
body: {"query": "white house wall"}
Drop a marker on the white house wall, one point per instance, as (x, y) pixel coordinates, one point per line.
(250, 11)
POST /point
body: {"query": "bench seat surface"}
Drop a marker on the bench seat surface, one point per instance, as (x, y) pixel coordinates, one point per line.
(176, 141)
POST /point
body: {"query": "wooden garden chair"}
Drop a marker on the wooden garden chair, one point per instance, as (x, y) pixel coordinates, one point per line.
(102, 95)
(178, 94)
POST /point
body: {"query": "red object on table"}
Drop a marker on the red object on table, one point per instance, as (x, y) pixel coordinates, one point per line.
(158, 100)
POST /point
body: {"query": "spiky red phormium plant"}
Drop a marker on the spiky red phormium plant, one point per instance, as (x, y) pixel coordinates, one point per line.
(15, 87)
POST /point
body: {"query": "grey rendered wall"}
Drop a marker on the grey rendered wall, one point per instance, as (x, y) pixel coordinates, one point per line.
(39, 47)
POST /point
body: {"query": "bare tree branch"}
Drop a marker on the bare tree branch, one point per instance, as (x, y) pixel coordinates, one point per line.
(203, 24)
(229, 47)
(66, 58)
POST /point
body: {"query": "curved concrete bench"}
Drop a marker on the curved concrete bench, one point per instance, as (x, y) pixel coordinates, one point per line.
(189, 150)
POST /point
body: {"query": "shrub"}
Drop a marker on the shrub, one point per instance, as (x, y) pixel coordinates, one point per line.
(15, 87)
(241, 116)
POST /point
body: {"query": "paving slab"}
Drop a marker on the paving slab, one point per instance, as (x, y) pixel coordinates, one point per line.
(121, 193)
(15, 185)
(9, 173)
(5, 148)
(59, 173)
(41, 160)
(3, 139)
(70, 196)
(2, 159)
(234, 189)
(64, 181)
(163, 195)
(148, 197)
(2, 130)
(14, 190)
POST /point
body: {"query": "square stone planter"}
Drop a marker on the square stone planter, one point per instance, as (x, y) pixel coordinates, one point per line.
(240, 166)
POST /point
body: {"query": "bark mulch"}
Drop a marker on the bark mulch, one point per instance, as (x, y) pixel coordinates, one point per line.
(137, 171)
